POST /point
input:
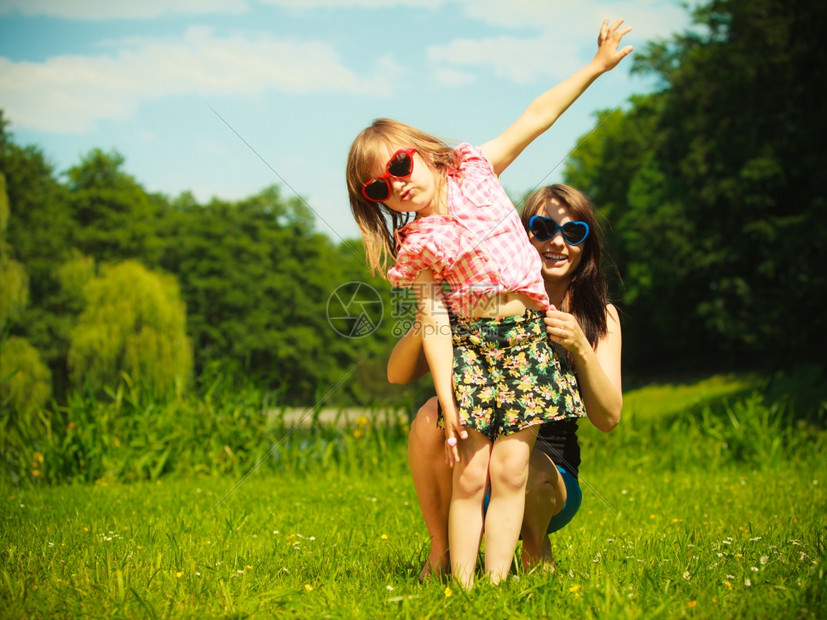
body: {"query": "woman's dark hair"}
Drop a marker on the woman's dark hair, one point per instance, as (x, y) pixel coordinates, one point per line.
(587, 294)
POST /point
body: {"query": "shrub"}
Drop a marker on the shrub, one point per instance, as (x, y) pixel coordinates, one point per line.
(135, 323)
(25, 381)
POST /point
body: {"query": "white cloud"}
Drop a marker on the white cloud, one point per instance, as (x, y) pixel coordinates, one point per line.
(95, 10)
(569, 18)
(355, 4)
(98, 10)
(566, 35)
(519, 13)
(519, 60)
(651, 17)
(452, 77)
(68, 93)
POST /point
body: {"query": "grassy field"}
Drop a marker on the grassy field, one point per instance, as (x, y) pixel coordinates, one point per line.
(694, 507)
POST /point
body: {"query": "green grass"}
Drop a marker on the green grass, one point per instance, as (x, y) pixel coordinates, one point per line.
(717, 516)
(669, 399)
(802, 387)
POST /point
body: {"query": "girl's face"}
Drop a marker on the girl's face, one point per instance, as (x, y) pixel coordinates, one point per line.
(560, 260)
(416, 193)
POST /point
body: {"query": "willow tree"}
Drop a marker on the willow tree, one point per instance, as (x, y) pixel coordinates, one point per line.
(25, 381)
(14, 293)
(133, 324)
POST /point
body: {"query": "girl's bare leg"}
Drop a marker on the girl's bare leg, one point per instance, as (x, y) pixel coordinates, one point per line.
(509, 472)
(465, 518)
(545, 496)
(432, 481)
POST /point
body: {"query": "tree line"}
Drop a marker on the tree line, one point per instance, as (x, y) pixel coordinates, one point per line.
(103, 279)
(712, 186)
(715, 189)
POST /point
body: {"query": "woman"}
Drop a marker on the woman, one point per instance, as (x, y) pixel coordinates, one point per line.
(563, 228)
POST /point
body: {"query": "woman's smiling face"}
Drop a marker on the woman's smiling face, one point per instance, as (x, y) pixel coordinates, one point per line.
(560, 260)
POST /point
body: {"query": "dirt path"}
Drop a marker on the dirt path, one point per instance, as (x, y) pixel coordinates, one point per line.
(296, 416)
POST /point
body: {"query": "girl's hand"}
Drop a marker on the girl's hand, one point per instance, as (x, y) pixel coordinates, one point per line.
(607, 43)
(564, 329)
(454, 433)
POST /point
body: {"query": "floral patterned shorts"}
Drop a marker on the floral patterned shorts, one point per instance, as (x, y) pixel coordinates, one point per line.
(508, 377)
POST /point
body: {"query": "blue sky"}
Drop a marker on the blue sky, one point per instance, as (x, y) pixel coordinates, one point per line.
(297, 80)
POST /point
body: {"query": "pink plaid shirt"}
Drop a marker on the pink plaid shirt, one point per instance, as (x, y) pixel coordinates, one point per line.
(480, 249)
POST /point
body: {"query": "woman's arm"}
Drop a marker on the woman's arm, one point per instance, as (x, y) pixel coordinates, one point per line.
(598, 368)
(548, 107)
(407, 361)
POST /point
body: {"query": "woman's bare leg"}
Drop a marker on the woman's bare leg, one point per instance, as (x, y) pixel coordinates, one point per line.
(508, 472)
(545, 497)
(432, 481)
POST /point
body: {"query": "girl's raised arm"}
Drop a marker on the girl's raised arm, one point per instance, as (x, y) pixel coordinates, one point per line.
(547, 108)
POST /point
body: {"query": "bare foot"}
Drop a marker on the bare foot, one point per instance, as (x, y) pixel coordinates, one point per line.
(546, 566)
(544, 561)
(438, 565)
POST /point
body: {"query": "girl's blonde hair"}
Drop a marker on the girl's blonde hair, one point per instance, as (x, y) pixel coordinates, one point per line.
(376, 221)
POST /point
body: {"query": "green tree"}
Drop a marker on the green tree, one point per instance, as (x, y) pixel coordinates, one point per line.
(14, 294)
(42, 231)
(743, 133)
(603, 166)
(720, 216)
(25, 381)
(115, 218)
(254, 274)
(256, 278)
(40, 224)
(134, 323)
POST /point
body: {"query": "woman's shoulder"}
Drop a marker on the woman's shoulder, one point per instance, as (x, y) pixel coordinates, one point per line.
(610, 341)
(612, 314)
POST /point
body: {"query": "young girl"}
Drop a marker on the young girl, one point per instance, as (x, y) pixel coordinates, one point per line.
(467, 236)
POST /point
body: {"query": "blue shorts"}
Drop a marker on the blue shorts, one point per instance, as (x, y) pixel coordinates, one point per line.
(574, 496)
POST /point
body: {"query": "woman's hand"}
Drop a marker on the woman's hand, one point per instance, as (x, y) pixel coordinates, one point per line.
(608, 40)
(598, 368)
(564, 329)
